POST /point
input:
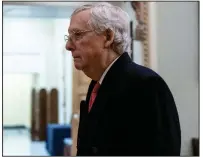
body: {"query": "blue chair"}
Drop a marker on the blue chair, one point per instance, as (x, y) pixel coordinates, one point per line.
(55, 136)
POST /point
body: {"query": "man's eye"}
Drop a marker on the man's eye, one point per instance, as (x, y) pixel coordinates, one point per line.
(77, 34)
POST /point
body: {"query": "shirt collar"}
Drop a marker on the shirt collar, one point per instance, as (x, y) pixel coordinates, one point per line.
(105, 72)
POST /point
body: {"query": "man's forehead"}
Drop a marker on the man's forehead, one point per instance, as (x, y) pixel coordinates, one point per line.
(79, 21)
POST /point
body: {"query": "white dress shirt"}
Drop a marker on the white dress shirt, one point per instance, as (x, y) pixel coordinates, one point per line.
(105, 72)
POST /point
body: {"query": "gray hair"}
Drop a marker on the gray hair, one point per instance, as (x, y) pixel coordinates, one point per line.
(106, 16)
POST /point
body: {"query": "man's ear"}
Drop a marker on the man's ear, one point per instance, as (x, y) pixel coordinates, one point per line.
(109, 38)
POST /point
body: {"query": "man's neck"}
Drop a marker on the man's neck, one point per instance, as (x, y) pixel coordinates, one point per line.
(106, 71)
(95, 73)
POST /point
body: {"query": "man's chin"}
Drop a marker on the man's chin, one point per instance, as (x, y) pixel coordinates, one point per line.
(78, 67)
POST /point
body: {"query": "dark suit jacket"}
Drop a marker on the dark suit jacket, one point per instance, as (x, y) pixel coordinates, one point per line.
(134, 113)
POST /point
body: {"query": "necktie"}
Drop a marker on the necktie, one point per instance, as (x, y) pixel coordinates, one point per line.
(93, 95)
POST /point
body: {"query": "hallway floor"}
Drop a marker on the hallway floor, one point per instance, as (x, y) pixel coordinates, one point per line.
(17, 142)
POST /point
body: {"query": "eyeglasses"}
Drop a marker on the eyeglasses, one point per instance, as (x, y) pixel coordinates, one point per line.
(74, 36)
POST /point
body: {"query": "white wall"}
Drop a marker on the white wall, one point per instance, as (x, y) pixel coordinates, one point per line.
(22, 64)
(25, 37)
(177, 61)
(33, 45)
(29, 37)
(17, 99)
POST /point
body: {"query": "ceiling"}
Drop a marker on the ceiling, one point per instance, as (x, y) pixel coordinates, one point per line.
(49, 3)
(42, 9)
(39, 9)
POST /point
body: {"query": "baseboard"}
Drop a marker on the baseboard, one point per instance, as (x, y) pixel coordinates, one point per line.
(14, 127)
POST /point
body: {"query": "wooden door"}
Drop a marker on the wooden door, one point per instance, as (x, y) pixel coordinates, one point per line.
(79, 90)
(42, 114)
(52, 106)
(33, 115)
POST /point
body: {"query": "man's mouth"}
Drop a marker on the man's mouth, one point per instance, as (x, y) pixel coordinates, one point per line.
(76, 58)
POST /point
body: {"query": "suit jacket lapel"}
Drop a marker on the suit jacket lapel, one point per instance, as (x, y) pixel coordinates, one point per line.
(109, 84)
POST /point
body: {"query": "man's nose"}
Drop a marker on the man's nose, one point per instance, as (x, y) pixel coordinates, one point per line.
(70, 46)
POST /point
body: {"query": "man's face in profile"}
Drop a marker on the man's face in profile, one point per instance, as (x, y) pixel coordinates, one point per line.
(86, 46)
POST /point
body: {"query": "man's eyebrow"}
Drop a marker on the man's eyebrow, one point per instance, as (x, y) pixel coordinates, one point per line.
(74, 30)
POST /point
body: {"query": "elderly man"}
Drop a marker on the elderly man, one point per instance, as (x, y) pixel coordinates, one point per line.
(129, 109)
